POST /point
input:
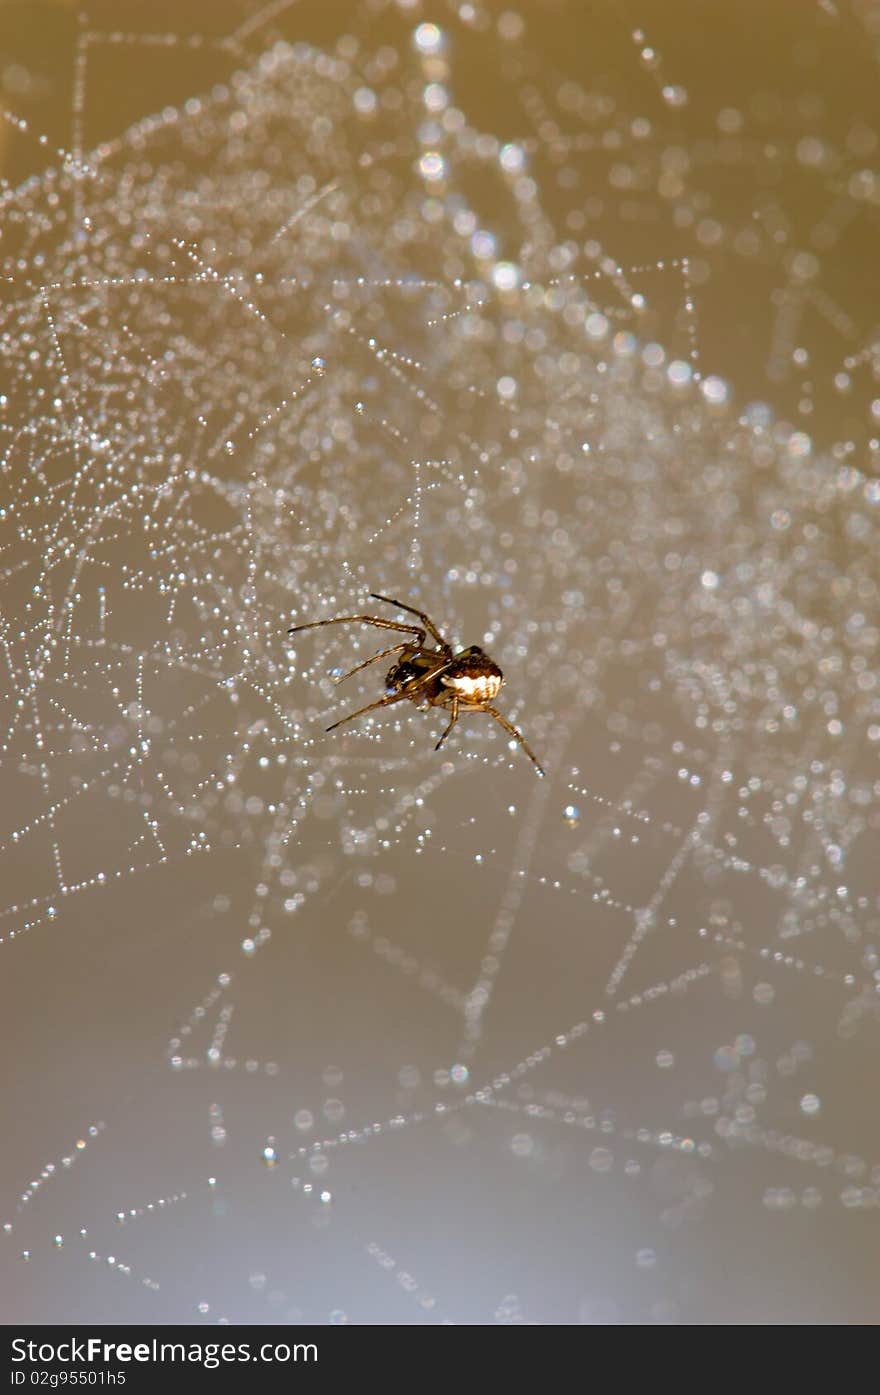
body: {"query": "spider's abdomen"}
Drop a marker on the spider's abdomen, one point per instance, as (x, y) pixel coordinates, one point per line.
(474, 677)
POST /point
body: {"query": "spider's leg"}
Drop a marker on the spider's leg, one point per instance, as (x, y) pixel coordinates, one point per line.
(508, 727)
(385, 701)
(452, 722)
(362, 620)
(426, 620)
(382, 654)
(395, 697)
(431, 674)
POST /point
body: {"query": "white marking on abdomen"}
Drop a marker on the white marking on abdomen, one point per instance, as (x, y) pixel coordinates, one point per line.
(482, 688)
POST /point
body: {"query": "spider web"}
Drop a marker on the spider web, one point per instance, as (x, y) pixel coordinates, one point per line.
(335, 1028)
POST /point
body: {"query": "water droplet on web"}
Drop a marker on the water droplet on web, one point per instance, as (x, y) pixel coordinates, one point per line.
(518, 434)
(522, 1145)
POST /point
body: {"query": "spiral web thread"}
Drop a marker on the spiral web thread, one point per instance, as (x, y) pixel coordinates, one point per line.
(265, 354)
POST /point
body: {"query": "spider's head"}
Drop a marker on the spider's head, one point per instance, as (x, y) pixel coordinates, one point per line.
(400, 674)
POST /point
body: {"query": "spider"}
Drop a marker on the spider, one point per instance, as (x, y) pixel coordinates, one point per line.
(464, 682)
